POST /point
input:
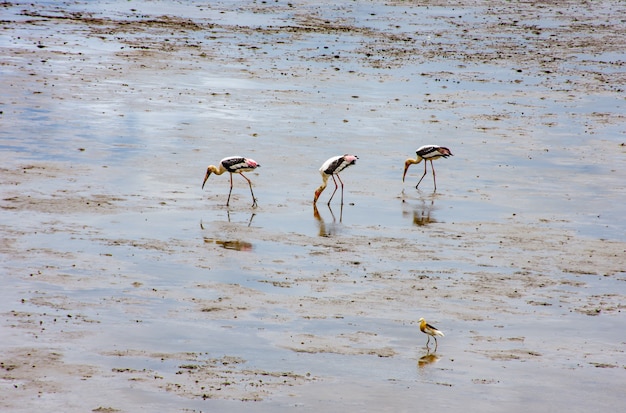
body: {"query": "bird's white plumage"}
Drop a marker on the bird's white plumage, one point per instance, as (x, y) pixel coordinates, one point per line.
(427, 153)
(332, 167)
(233, 165)
(337, 164)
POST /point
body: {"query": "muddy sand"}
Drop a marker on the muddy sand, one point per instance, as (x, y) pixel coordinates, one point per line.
(128, 288)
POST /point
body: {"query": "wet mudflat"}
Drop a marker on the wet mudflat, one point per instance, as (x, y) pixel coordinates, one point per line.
(128, 288)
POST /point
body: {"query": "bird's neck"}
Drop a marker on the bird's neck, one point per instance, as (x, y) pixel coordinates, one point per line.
(324, 183)
(321, 188)
(217, 171)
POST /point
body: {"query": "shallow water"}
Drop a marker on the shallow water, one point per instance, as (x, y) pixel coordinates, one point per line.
(117, 260)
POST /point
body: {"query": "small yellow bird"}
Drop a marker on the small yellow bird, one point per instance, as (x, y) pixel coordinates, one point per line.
(430, 330)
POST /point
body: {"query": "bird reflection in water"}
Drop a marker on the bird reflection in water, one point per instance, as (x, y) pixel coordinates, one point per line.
(427, 359)
(235, 245)
(423, 213)
(229, 219)
(249, 221)
(326, 230)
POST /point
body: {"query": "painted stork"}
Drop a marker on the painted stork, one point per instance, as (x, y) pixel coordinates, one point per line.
(233, 165)
(427, 153)
(430, 331)
(332, 167)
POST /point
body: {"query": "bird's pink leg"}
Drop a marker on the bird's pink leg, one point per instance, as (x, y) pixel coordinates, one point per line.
(250, 184)
(420, 181)
(338, 177)
(231, 189)
(435, 181)
(336, 186)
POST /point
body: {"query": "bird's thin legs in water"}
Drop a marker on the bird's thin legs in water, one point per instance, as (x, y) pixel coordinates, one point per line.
(420, 181)
(333, 214)
(252, 193)
(428, 342)
(231, 189)
(336, 186)
(338, 177)
(434, 180)
(250, 222)
(425, 171)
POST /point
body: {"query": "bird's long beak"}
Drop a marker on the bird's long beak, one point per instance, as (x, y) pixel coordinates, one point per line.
(406, 168)
(208, 173)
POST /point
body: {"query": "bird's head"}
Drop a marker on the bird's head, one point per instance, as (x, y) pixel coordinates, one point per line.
(209, 170)
(408, 163)
(445, 152)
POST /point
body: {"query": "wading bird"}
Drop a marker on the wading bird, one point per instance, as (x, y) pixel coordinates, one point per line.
(233, 165)
(430, 330)
(427, 153)
(332, 167)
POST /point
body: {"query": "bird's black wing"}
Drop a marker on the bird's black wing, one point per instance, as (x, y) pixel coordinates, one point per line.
(428, 150)
(338, 165)
(234, 163)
